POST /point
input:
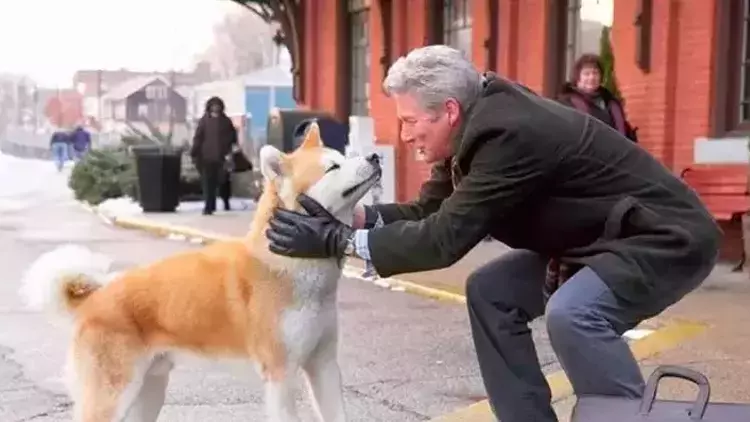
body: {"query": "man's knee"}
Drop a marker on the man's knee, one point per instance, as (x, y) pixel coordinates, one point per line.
(476, 285)
(567, 322)
(510, 284)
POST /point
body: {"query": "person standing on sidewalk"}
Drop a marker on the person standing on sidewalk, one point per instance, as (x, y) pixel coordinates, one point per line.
(587, 95)
(59, 145)
(80, 142)
(550, 182)
(215, 138)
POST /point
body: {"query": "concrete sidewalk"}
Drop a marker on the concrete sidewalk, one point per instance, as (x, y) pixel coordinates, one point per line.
(708, 331)
(236, 223)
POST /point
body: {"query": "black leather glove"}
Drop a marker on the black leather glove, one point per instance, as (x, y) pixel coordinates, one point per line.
(318, 235)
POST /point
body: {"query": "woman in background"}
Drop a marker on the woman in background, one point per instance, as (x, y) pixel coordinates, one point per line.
(587, 94)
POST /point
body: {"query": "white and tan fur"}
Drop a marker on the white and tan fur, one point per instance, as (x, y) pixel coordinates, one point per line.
(229, 300)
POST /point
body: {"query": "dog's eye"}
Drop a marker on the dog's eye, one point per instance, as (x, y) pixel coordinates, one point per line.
(333, 167)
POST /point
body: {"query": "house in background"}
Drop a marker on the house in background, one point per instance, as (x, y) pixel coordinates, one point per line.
(145, 99)
(248, 99)
(266, 89)
(93, 85)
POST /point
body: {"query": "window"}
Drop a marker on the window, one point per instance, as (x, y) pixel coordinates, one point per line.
(733, 73)
(359, 16)
(156, 92)
(744, 69)
(457, 25)
(585, 20)
(572, 40)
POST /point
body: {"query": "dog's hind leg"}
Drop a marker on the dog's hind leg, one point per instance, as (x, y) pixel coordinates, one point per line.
(153, 392)
(109, 370)
(324, 380)
(280, 402)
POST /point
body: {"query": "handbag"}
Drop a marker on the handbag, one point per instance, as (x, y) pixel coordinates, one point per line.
(592, 408)
(237, 162)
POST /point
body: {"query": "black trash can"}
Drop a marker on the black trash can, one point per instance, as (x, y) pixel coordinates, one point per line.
(285, 126)
(335, 135)
(158, 171)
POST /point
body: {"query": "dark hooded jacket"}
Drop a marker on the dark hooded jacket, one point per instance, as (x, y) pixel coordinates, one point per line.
(81, 139)
(214, 136)
(601, 104)
(541, 176)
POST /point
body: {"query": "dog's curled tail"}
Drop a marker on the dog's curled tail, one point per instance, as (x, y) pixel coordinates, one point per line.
(60, 280)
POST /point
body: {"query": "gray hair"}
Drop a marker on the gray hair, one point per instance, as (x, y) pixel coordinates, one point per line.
(434, 74)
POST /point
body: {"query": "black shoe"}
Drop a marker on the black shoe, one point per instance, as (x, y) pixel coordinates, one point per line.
(227, 207)
(208, 212)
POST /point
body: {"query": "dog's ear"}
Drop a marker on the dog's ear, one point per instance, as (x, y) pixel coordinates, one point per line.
(312, 137)
(271, 162)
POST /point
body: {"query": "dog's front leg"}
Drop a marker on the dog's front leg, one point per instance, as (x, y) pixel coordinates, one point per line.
(280, 405)
(324, 379)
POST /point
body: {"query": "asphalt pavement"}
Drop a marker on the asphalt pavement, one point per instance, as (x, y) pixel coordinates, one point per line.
(403, 357)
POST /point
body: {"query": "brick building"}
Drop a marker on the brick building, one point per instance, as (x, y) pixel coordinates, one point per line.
(681, 64)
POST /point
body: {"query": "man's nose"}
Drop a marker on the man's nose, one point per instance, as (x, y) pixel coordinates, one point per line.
(373, 159)
(406, 136)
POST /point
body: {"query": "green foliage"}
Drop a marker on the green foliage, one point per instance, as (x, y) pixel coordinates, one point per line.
(110, 172)
(104, 174)
(609, 80)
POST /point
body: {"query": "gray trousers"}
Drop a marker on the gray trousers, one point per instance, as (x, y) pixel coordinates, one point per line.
(585, 322)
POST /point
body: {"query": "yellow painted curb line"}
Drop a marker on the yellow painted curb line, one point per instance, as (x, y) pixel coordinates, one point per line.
(165, 229)
(430, 292)
(659, 341)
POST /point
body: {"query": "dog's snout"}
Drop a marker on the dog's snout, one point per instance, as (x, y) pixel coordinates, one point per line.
(374, 159)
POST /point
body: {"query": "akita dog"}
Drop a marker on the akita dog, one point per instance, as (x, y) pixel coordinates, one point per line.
(231, 299)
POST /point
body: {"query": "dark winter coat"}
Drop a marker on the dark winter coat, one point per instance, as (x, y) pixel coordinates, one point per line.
(59, 137)
(540, 176)
(214, 136)
(80, 139)
(602, 104)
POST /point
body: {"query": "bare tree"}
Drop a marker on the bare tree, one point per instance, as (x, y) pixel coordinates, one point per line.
(243, 42)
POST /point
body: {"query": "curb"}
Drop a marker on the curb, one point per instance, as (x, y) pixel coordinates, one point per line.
(350, 271)
(664, 338)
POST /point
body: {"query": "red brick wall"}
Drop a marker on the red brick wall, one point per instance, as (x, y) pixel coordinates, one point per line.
(671, 104)
(322, 35)
(523, 33)
(521, 30)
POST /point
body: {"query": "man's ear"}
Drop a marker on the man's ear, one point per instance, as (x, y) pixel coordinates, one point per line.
(271, 162)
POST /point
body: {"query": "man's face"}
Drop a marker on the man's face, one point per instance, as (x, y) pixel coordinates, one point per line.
(429, 132)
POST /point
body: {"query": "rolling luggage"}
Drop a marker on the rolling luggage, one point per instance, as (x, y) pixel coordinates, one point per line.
(648, 409)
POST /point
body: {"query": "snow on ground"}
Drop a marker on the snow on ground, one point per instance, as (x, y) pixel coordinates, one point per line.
(127, 207)
(26, 182)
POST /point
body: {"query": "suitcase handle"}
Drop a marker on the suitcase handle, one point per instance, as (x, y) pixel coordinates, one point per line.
(704, 389)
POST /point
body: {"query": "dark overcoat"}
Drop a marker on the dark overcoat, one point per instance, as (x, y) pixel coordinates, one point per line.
(538, 175)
